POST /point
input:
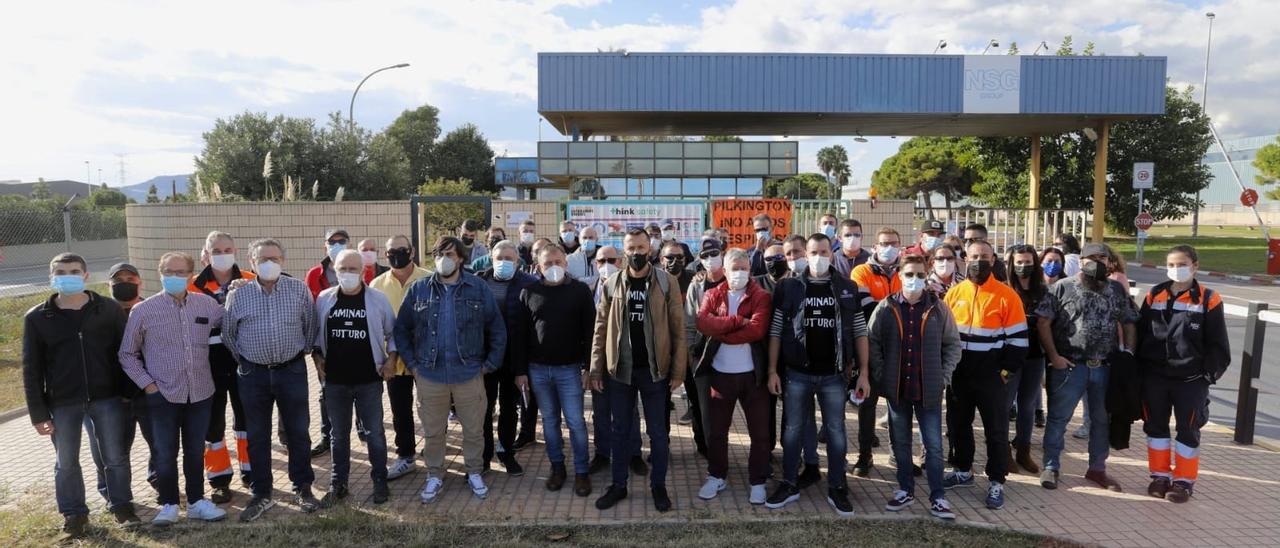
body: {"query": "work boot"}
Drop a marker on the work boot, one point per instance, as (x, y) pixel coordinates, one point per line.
(1013, 463)
(1179, 492)
(73, 527)
(1023, 457)
(125, 516)
(1158, 488)
(1101, 478)
(556, 481)
(220, 495)
(582, 485)
(599, 463)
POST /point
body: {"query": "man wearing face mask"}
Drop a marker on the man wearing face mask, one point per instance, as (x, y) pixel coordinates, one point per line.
(270, 326)
(608, 263)
(582, 263)
(509, 384)
(528, 234)
(698, 381)
(451, 333)
(394, 284)
(762, 224)
(356, 354)
(977, 232)
(673, 261)
(876, 280)
(639, 349)
(775, 263)
(558, 316)
(829, 226)
(669, 236)
(319, 278)
(1076, 322)
(474, 248)
(850, 254)
(369, 257)
(164, 353)
(568, 237)
(494, 235)
(993, 336)
(929, 239)
(220, 270)
(70, 370)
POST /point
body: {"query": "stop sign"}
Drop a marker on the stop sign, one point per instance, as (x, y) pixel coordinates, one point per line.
(1249, 197)
(1144, 221)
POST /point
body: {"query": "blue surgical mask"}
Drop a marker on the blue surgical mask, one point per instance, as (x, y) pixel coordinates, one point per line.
(67, 284)
(829, 230)
(334, 250)
(1052, 269)
(912, 285)
(887, 254)
(931, 243)
(588, 245)
(504, 270)
(174, 285)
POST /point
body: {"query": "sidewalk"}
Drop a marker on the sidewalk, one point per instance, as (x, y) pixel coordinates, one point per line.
(1237, 501)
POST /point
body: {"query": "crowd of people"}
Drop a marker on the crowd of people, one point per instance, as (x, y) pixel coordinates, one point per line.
(510, 329)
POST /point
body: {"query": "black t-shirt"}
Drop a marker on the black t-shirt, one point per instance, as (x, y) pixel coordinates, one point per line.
(637, 303)
(820, 327)
(349, 357)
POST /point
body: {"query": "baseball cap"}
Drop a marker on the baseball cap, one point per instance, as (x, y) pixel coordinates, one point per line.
(329, 234)
(932, 225)
(710, 244)
(1094, 249)
(667, 223)
(122, 267)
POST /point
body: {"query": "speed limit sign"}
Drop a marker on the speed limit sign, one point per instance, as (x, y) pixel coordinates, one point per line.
(1144, 175)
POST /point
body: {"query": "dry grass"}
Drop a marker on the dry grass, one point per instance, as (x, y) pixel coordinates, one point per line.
(11, 311)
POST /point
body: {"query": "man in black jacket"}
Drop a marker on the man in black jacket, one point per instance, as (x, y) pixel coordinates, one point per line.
(70, 370)
(508, 384)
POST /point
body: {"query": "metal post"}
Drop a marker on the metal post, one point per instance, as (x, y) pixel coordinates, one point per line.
(1141, 241)
(1250, 368)
(66, 226)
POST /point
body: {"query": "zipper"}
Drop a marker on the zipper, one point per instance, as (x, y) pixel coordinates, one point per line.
(84, 364)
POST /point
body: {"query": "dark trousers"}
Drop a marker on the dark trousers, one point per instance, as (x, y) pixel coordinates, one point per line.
(138, 420)
(981, 390)
(225, 390)
(726, 390)
(699, 390)
(174, 424)
(400, 392)
(528, 413)
(867, 423)
(1187, 401)
(654, 396)
(797, 404)
(504, 395)
(286, 388)
(1024, 391)
(366, 401)
(109, 418)
(602, 424)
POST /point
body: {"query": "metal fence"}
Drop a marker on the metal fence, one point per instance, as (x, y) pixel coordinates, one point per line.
(31, 233)
(1009, 227)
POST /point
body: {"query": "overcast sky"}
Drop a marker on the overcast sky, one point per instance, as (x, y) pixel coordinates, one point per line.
(85, 81)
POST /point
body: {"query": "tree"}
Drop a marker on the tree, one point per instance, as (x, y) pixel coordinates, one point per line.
(443, 218)
(416, 131)
(387, 171)
(1268, 164)
(233, 154)
(153, 195)
(834, 161)
(925, 166)
(107, 199)
(40, 190)
(721, 139)
(804, 186)
(464, 154)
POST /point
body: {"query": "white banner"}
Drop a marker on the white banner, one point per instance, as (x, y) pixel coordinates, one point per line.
(612, 218)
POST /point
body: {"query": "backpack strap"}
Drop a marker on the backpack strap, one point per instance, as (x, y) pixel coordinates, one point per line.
(664, 282)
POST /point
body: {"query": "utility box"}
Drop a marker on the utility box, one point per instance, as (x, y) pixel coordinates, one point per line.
(1273, 257)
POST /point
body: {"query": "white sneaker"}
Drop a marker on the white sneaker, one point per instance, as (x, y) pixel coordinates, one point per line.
(477, 485)
(204, 510)
(711, 488)
(758, 494)
(167, 516)
(431, 490)
(400, 468)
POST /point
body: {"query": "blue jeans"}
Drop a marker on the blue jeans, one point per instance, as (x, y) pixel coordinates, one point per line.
(1065, 388)
(654, 396)
(930, 421)
(286, 387)
(559, 387)
(173, 424)
(1024, 390)
(797, 406)
(366, 400)
(137, 408)
(109, 419)
(602, 424)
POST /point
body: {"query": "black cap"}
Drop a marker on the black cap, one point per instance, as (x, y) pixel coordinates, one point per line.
(122, 267)
(1093, 249)
(329, 234)
(932, 225)
(710, 244)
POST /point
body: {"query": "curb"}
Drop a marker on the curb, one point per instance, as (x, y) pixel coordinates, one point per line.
(1258, 280)
(12, 414)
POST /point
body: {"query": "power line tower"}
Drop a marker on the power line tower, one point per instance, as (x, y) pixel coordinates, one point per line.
(122, 172)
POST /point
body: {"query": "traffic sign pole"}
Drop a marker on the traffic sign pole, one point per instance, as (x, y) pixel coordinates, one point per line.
(1142, 234)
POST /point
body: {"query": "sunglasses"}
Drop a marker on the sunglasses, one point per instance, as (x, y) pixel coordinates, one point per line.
(673, 258)
(343, 242)
(774, 258)
(709, 254)
(917, 275)
(607, 260)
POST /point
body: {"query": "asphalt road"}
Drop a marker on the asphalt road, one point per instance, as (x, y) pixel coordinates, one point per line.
(27, 280)
(1223, 395)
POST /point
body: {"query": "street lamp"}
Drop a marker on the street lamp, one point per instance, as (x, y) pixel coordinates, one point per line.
(351, 120)
(1043, 45)
(992, 44)
(1204, 99)
(942, 44)
(88, 179)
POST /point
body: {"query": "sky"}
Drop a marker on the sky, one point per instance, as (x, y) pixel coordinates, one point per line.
(98, 82)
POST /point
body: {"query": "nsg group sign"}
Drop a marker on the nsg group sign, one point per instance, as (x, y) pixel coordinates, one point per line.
(992, 84)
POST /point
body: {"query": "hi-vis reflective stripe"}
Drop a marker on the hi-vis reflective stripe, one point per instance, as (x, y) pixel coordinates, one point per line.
(1161, 305)
(1018, 342)
(1159, 457)
(1184, 306)
(982, 331)
(1186, 462)
(981, 346)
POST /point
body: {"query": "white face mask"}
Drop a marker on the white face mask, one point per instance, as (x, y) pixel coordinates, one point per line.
(554, 274)
(445, 266)
(369, 257)
(568, 236)
(851, 242)
(268, 270)
(944, 268)
(797, 266)
(713, 263)
(349, 280)
(655, 243)
(527, 237)
(222, 263)
(668, 234)
(608, 270)
(820, 265)
(1180, 274)
(738, 279)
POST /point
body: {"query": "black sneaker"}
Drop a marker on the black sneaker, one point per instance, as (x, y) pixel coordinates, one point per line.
(125, 515)
(940, 508)
(687, 417)
(862, 468)
(661, 501)
(1039, 421)
(875, 440)
(306, 501)
(809, 476)
(256, 507)
(599, 463)
(321, 448)
(638, 467)
(522, 442)
(509, 462)
(899, 501)
(838, 498)
(220, 495)
(611, 497)
(381, 493)
(783, 494)
(822, 435)
(73, 527)
(333, 497)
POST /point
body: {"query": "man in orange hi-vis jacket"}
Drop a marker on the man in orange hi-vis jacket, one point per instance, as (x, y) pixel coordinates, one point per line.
(876, 280)
(993, 339)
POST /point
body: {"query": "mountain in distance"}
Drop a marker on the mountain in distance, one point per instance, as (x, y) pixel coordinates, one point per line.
(164, 185)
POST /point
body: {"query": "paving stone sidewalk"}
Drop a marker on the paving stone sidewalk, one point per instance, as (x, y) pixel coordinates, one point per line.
(1237, 500)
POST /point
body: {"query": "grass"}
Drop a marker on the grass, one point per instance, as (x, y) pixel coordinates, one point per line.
(11, 311)
(32, 524)
(1235, 250)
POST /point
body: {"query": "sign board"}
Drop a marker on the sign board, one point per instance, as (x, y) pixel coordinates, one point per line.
(612, 218)
(1144, 221)
(1142, 234)
(514, 218)
(735, 217)
(992, 84)
(1249, 197)
(1144, 175)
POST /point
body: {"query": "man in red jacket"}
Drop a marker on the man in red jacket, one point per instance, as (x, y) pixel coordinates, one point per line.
(734, 317)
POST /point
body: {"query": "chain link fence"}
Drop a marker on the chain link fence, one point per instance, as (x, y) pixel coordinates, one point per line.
(33, 232)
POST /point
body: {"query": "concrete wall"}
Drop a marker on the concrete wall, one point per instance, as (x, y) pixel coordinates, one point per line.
(1231, 215)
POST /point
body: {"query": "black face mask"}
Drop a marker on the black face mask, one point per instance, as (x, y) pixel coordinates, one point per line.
(637, 261)
(399, 258)
(468, 240)
(124, 291)
(675, 267)
(1024, 271)
(494, 241)
(777, 269)
(978, 271)
(1095, 270)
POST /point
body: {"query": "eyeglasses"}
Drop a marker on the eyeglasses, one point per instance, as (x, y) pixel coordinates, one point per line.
(607, 260)
(917, 275)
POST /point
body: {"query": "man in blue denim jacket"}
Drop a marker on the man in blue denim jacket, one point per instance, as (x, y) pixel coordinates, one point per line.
(449, 333)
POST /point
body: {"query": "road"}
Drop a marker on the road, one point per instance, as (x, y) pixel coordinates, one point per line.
(1223, 395)
(16, 282)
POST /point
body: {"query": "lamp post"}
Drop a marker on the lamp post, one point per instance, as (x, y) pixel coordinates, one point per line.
(88, 179)
(351, 119)
(992, 44)
(1204, 99)
(942, 44)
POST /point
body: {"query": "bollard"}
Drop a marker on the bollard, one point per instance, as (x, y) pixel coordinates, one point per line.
(1250, 368)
